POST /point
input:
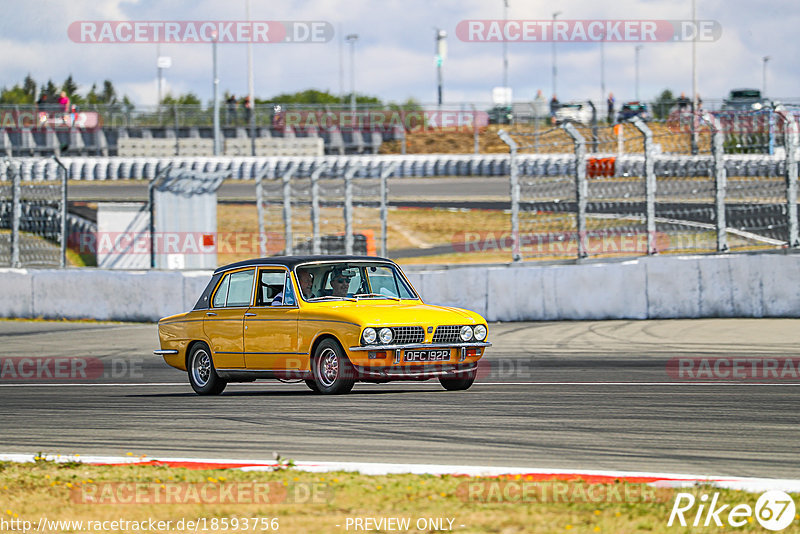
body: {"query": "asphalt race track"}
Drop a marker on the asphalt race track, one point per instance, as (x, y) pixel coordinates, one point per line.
(571, 395)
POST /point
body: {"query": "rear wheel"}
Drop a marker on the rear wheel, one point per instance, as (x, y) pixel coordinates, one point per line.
(464, 381)
(202, 375)
(312, 386)
(333, 372)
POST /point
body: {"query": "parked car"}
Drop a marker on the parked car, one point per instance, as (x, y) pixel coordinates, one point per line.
(501, 115)
(580, 112)
(745, 100)
(328, 320)
(633, 109)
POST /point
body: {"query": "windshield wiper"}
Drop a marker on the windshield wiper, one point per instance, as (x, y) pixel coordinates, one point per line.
(324, 297)
(381, 295)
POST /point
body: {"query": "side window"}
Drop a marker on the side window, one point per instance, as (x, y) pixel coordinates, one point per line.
(241, 288)
(270, 285)
(288, 293)
(222, 293)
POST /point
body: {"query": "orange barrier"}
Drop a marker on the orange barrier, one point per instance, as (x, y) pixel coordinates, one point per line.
(596, 167)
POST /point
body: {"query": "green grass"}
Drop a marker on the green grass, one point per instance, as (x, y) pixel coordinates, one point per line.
(313, 502)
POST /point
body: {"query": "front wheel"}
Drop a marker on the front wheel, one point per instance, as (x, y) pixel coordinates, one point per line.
(458, 384)
(202, 375)
(333, 372)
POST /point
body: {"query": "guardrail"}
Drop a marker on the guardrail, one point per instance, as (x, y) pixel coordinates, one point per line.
(741, 285)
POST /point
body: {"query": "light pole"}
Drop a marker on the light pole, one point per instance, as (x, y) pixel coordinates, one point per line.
(441, 53)
(694, 78)
(555, 68)
(603, 68)
(636, 70)
(352, 38)
(251, 88)
(505, 45)
(217, 135)
(764, 77)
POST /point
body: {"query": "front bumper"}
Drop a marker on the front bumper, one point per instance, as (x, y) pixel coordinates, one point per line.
(415, 372)
(396, 351)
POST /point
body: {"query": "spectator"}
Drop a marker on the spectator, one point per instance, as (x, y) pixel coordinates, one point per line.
(42, 107)
(540, 105)
(683, 102)
(247, 110)
(63, 102)
(553, 107)
(610, 103)
(230, 110)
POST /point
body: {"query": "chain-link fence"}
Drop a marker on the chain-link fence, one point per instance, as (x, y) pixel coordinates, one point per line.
(681, 194)
(323, 209)
(33, 219)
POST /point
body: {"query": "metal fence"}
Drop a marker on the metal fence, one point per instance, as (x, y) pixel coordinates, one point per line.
(573, 191)
(594, 204)
(33, 220)
(323, 209)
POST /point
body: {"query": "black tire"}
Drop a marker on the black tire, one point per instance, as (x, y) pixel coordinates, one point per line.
(312, 386)
(202, 375)
(333, 372)
(458, 384)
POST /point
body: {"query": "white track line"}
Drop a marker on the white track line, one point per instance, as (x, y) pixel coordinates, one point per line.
(412, 383)
(662, 479)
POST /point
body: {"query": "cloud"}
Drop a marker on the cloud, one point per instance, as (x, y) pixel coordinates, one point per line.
(394, 53)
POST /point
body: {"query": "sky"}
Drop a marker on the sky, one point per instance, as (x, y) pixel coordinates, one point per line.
(394, 54)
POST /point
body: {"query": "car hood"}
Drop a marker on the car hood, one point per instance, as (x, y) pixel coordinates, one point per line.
(391, 313)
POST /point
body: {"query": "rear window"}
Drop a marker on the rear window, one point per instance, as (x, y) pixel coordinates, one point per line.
(236, 289)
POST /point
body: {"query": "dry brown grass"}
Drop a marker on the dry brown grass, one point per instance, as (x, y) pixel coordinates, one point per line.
(325, 501)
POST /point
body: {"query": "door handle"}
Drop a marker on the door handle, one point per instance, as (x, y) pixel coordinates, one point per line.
(250, 314)
(211, 314)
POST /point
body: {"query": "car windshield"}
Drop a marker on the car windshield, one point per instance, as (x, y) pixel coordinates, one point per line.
(352, 281)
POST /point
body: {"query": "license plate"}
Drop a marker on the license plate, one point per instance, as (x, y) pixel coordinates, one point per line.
(426, 355)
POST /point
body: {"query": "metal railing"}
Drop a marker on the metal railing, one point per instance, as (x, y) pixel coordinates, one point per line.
(597, 203)
(34, 222)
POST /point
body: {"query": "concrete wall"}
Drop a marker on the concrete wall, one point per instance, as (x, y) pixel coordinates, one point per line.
(665, 287)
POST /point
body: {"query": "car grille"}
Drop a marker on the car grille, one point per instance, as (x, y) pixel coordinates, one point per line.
(407, 334)
(447, 334)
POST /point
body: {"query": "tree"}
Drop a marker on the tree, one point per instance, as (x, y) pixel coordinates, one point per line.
(109, 95)
(92, 98)
(51, 91)
(663, 104)
(29, 86)
(315, 96)
(70, 87)
(188, 99)
(15, 95)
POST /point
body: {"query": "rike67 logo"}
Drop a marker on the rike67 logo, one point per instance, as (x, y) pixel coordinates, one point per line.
(774, 510)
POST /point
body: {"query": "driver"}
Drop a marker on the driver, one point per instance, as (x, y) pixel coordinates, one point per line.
(340, 282)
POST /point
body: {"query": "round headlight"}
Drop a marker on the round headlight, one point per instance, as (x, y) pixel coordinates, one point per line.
(480, 332)
(386, 336)
(466, 333)
(369, 336)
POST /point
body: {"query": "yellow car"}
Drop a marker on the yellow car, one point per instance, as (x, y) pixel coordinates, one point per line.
(328, 320)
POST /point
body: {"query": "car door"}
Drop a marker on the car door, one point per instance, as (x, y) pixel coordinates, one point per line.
(224, 320)
(270, 332)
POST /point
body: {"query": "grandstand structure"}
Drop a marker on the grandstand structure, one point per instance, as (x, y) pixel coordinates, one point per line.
(188, 141)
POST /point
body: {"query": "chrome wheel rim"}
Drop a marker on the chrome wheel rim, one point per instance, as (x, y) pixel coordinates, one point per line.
(328, 367)
(201, 368)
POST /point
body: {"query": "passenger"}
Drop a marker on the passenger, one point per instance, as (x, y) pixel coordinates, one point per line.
(305, 280)
(340, 282)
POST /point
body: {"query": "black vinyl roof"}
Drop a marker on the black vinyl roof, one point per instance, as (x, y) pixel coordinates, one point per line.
(292, 261)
